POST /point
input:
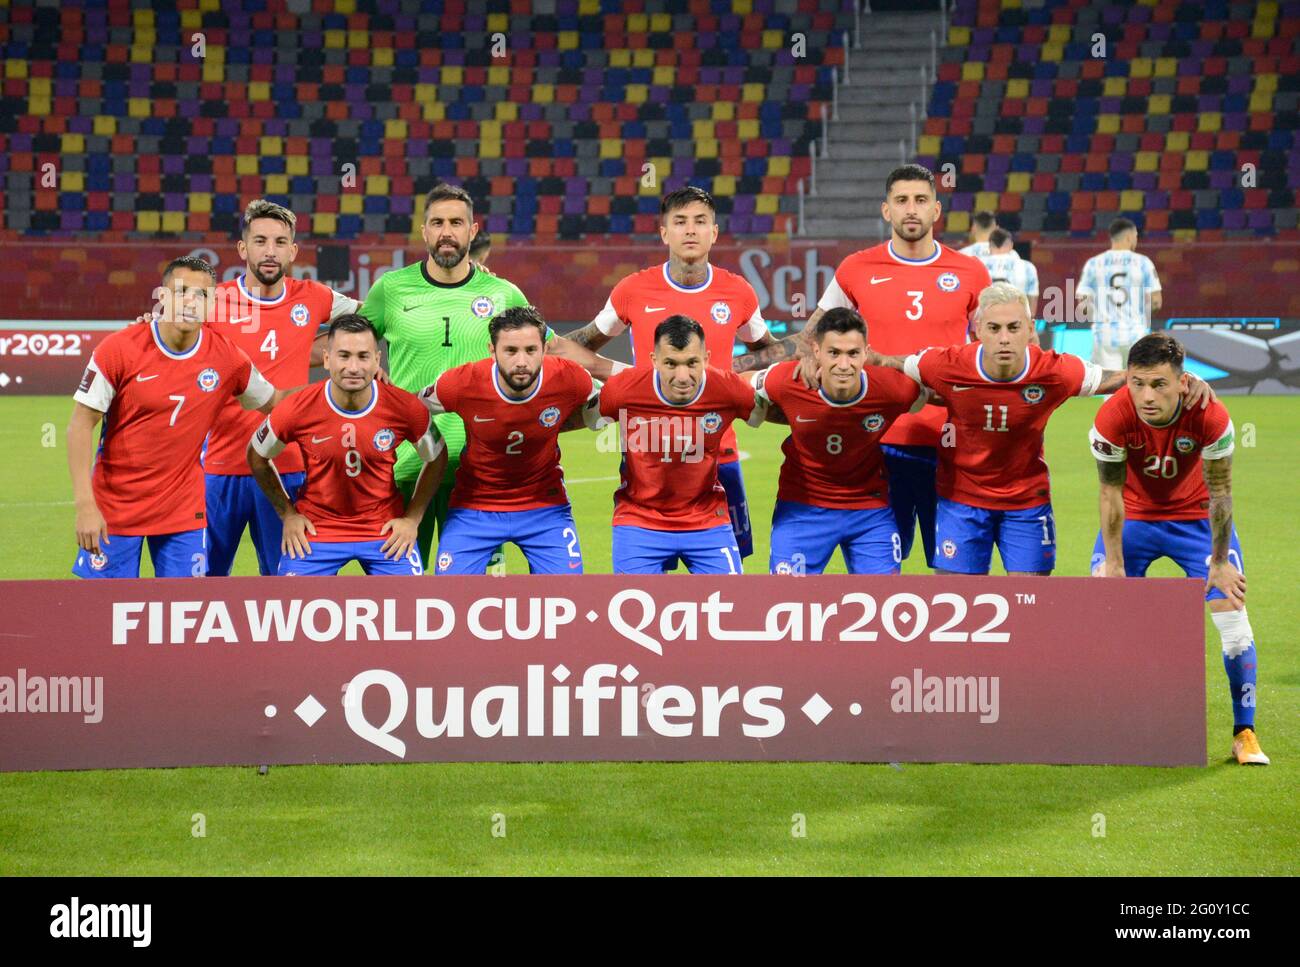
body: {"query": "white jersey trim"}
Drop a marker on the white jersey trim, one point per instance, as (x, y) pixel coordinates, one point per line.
(258, 392)
(607, 320)
(99, 395)
(171, 353)
(353, 414)
(689, 288)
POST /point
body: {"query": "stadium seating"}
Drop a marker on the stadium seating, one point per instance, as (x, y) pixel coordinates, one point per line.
(350, 110)
(1061, 135)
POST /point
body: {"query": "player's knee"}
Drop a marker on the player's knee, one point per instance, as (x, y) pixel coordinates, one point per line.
(1235, 633)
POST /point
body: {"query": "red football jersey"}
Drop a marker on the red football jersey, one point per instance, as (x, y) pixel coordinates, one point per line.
(909, 304)
(671, 452)
(277, 335)
(725, 305)
(349, 494)
(995, 457)
(511, 459)
(832, 455)
(158, 406)
(1164, 479)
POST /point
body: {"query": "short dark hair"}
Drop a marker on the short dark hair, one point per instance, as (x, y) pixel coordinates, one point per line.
(263, 208)
(516, 317)
(189, 262)
(446, 192)
(683, 197)
(999, 237)
(839, 319)
(984, 219)
(1121, 225)
(910, 173)
(678, 330)
(479, 243)
(352, 322)
(1156, 348)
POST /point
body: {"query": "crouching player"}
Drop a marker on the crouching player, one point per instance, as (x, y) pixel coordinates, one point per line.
(833, 489)
(673, 418)
(348, 429)
(510, 485)
(993, 483)
(1166, 491)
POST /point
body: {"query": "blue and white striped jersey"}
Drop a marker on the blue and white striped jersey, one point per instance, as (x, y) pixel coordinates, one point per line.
(1010, 267)
(1120, 283)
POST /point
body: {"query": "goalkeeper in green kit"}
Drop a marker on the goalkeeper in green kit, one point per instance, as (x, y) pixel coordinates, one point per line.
(434, 316)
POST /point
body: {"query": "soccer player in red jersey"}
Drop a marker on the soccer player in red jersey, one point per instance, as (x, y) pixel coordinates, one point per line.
(510, 485)
(349, 428)
(687, 285)
(274, 318)
(992, 482)
(159, 389)
(833, 489)
(913, 292)
(1166, 491)
(673, 418)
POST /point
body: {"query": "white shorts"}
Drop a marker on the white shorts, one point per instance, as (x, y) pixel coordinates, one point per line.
(1110, 357)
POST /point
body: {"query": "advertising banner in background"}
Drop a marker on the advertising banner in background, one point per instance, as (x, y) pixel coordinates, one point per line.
(1237, 297)
(108, 674)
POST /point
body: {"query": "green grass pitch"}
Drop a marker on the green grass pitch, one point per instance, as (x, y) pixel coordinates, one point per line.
(697, 818)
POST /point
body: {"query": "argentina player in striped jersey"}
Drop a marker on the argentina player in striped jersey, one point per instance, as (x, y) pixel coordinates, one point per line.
(1119, 289)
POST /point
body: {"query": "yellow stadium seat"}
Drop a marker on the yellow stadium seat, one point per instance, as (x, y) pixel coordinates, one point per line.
(350, 202)
(245, 164)
(611, 148)
(138, 107)
(1166, 67)
(270, 145)
(663, 77)
(779, 167)
(277, 184)
(335, 39)
(1196, 161)
(723, 110)
(297, 164)
(324, 223)
(1053, 52)
(38, 106)
(1108, 124)
(104, 126)
(498, 76)
(1017, 87)
(148, 221)
(773, 39)
(259, 91)
(1115, 87)
(1132, 200)
(1261, 102)
(543, 93)
(958, 36)
(1177, 141)
(498, 22)
(396, 129)
(567, 40)
(748, 129)
(635, 94)
(1209, 121)
(381, 56)
(377, 184)
(489, 148)
(929, 144)
(507, 111)
(637, 23)
(72, 180)
(452, 76)
(72, 144)
(701, 129)
(1141, 67)
(620, 58)
(433, 111)
(425, 93)
(972, 70)
(707, 148)
(643, 58)
(1158, 104)
(986, 200)
(957, 222)
(1146, 161)
(661, 23)
(767, 204)
(15, 68)
(173, 223)
(752, 92)
(1019, 182)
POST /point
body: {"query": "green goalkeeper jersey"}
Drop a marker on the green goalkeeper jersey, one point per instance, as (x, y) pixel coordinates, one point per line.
(432, 327)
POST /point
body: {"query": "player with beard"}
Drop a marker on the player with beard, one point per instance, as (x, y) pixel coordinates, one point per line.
(510, 486)
(274, 318)
(434, 316)
(912, 292)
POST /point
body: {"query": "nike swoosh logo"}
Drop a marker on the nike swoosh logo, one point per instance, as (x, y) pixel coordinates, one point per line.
(409, 308)
(141, 379)
(484, 419)
(655, 308)
(321, 439)
(803, 419)
(578, 564)
(961, 389)
(235, 322)
(876, 281)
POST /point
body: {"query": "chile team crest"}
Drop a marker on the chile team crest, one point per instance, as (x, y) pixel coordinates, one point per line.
(1185, 444)
(949, 282)
(483, 307)
(300, 315)
(550, 416)
(208, 380)
(1032, 393)
(711, 422)
(720, 312)
(384, 440)
(873, 422)
(98, 562)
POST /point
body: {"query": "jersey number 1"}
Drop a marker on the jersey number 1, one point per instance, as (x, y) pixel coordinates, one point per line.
(446, 331)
